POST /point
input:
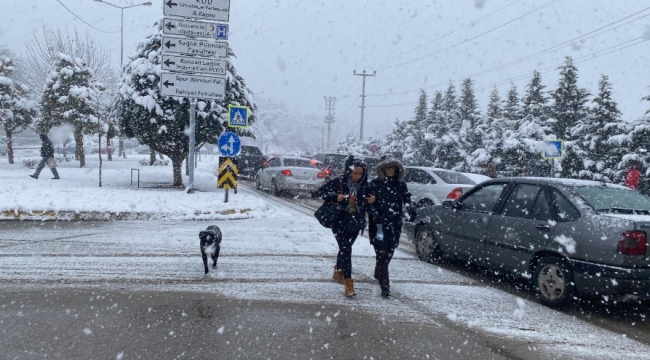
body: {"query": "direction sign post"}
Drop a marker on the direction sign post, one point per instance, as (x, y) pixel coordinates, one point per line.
(213, 10)
(200, 47)
(192, 86)
(182, 27)
(194, 64)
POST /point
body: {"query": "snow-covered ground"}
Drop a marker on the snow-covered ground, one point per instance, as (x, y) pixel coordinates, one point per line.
(271, 251)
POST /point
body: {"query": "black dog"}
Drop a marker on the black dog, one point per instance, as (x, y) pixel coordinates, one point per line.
(210, 245)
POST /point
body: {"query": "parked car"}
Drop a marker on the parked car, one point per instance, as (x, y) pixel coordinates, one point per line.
(431, 186)
(477, 178)
(570, 237)
(289, 174)
(333, 162)
(249, 161)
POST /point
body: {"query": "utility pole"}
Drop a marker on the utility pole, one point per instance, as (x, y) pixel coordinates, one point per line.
(363, 98)
(329, 119)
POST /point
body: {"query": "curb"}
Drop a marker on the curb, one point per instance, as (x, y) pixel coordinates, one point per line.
(50, 215)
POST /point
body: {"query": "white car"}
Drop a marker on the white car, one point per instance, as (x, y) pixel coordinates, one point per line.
(477, 178)
(432, 186)
(289, 174)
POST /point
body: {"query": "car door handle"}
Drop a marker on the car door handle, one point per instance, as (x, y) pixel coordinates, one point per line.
(543, 227)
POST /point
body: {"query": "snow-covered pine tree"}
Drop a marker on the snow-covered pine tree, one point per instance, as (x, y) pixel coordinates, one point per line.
(17, 111)
(395, 143)
(602, 154)
(533, 127)
(569, 111)
(450, 151)
(471, 133)
(510, 142)
(72, 97)
(161, 122)
(418, 125)
(493, 130)
(433, 132)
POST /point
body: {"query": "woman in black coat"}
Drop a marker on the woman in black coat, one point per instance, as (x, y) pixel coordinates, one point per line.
(389, 195)
(349, 191)
(47, 158)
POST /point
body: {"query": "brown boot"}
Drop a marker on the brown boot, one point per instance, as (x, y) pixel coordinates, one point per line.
(349, 288)
(338, 276)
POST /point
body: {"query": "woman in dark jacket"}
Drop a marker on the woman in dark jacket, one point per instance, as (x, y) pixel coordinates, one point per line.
(349, 191)
(388, 195)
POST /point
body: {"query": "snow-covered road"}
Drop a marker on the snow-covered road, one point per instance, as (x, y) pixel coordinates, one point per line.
(286, 256)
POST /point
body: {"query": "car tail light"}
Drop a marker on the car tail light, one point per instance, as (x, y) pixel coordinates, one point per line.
(286, 172)
(455, 194)
(327, 171)
(632, 243)
(320, 175)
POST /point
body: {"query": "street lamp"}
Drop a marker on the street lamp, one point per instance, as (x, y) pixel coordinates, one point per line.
(148, 3)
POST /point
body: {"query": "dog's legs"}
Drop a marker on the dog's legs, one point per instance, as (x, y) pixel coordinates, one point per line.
(205, 260)
(215, 256)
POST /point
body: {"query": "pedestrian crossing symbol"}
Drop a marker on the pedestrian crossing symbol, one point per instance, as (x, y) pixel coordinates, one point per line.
(238, 116)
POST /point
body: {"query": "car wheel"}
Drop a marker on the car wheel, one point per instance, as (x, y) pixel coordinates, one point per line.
(553, 282)
(424, 203)
(426, 246)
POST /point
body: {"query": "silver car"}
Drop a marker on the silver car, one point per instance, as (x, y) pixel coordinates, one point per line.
(285, 174)
(432, 186)
(571, 237)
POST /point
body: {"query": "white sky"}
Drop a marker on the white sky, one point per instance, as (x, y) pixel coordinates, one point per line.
(288, 236)
(300, 51)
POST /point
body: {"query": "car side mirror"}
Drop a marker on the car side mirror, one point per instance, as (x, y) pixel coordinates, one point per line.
(447, 204)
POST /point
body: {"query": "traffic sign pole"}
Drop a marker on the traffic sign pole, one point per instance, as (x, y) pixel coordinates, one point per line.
(192, 140)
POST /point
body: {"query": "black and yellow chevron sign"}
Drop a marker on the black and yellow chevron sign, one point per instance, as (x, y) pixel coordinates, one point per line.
(227, 174)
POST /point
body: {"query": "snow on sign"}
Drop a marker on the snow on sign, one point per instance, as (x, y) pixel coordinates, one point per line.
(195, 28)
(238, 116)
(192, 86)
(200, 47)
(553, 149)
(215, 10)
(190, 64)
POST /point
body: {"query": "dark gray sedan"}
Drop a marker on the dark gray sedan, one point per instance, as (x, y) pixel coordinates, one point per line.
(571, 237)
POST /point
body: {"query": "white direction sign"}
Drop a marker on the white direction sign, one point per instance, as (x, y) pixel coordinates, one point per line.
(181, 27)
(192, 86)
(194, 65)
(200, 47)
(215, 10)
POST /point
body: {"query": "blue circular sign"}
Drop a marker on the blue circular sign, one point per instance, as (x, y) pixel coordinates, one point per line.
(229, 144)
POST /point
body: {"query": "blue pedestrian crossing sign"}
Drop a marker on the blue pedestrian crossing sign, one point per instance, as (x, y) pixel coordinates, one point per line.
(229, 144)
(238, 116)
(553, 149)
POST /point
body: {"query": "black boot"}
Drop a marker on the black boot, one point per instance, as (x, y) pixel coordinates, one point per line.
(385, 292)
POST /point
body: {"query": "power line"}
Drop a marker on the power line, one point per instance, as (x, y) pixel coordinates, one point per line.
(470, 39)
(542, 52)
(472, 23)
(83, 21)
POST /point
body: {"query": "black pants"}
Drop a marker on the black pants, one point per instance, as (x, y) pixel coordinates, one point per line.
(41, 165)
(344, 256)
(384, 251)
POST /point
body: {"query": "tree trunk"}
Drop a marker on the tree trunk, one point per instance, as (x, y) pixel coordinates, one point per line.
(178, 176)
(152, 157)
(79, 143)
(10, 146)
(109, 151)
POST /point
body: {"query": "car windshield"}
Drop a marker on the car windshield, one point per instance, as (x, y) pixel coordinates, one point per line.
(298, 163)
(451, 177)
(607, 199)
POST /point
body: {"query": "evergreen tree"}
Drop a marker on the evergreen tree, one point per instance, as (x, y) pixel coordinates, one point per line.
(395, 141)
(450, 152)
(418, 125)
(570, 117)
(493, 129)
(433, 132)
(72, 97)
(17, 111)
(603, 154)
(533, 128)
(471, 124)
(161, 122)
(510, 142)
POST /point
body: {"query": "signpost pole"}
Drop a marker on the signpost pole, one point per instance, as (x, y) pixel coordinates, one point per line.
(192, 141)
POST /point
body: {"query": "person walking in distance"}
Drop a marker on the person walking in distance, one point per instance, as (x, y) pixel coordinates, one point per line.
(47, 158)
(388, 195)
(633, 178)
(349, 191)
